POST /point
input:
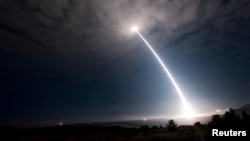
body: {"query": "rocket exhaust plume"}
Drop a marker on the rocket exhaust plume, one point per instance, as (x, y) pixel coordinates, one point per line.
(188, 111)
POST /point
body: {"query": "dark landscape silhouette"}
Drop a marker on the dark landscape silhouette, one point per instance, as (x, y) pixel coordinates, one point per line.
(103, 131)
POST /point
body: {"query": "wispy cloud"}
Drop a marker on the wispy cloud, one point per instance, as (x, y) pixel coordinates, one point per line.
(101, 29)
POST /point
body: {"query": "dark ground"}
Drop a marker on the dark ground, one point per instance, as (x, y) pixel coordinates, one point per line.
(107, 132)
(98, 133)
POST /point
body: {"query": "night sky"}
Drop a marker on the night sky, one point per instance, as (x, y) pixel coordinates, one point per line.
(76, 61)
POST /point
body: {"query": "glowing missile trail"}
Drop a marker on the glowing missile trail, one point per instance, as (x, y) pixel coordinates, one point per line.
(188, 112)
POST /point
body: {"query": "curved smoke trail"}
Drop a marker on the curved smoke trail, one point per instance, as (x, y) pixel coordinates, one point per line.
(188, 110)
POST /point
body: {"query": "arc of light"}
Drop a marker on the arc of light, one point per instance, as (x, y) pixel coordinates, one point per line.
(167, 71)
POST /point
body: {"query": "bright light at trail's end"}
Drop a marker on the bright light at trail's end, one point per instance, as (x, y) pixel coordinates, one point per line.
(134, 28)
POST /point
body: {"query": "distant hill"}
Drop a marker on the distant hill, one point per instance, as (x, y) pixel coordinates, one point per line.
(245, 108)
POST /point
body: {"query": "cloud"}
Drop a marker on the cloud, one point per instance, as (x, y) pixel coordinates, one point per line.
(100, 30)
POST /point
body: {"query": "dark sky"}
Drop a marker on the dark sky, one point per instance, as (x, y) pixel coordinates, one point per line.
(75, 60)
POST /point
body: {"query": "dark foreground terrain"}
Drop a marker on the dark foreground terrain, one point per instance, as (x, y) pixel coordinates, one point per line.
(111, 132)
(95, 133)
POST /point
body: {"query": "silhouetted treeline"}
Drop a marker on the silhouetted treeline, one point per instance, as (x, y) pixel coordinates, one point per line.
(170, 126)
(229, 121)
